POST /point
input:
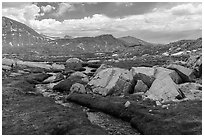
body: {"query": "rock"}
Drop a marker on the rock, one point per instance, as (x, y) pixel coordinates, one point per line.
(140, 87)
(78, 88)
(56, 66)
(65, 85)
(163, 90)
(34, 64)
(161, 72)
(143, 70)
(4, 67)
(83, 76)
(93, 61)
(127, 104)
(37, 78)
(73, 64)
(147, 80)
(186, 74)
(166, 106)
(102, 67)
(192, 91)
(195, 62)
(8, 62)
(158, 103)
(55, 78)
(111, 81)
(74, 60)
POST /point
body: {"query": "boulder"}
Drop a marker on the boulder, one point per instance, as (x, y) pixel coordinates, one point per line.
(73, 64)
(192, 91)
(65, 85)
(74, 60)
(186, 74)
(37, 78)
(56, 66)
(8, 62)
(111, 81)
(147, 80)
(163, 89)
(34, 64)
(161, 72)
(54, 78)
(143, 70)
(102, 67)
(83, 76)
(140, 87)
(78, 88)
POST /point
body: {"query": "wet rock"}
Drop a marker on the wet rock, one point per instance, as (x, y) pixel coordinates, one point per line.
(186, 74)
(83, 76)
(140, 87)
(111, 81)
(65, 85)
(163, 90)
(78, 88)
(37, 78)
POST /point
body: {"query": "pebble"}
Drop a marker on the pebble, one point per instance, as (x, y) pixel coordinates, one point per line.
(127, 104)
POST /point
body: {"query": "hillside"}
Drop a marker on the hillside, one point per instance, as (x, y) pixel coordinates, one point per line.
(132, 41)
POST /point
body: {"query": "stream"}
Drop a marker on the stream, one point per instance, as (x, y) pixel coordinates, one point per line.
(112, 125)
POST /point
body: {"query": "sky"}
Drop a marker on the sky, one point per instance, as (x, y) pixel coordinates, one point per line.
(157, 22)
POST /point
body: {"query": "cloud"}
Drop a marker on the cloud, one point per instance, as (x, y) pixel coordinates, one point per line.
(47, 8)
(186, 9)
(24, 15)
(63, 8)
(179, 18)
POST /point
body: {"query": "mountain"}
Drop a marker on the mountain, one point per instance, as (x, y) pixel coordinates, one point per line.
(132, 41)
(18, 34)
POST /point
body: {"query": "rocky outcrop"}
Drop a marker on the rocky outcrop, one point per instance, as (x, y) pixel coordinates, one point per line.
(111, 81)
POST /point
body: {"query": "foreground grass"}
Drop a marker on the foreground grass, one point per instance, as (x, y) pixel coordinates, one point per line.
(32, 114)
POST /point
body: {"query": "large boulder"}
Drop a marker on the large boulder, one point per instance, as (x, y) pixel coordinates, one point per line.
(164, 89)
(186, 74)
(73, 64)
(83, 76)
(102, 67)
(195, 62)
(65, 85)
(37, 78)
(192, 91)
(111, 81)
(161, 72)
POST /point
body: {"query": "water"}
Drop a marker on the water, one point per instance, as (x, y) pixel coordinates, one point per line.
(112, 125)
